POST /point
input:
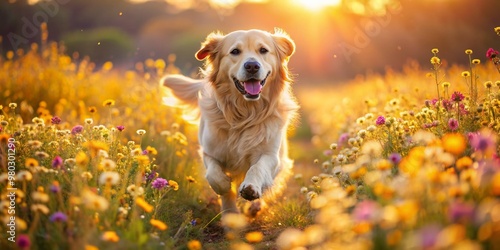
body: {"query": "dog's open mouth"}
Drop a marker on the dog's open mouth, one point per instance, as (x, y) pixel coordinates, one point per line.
(250, 88)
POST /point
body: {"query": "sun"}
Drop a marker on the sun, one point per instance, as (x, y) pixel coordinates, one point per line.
(316, 5)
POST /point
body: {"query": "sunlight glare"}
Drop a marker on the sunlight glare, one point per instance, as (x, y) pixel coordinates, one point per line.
(317, 5)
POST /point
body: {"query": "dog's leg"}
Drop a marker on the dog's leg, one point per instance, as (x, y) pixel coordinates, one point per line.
(259, 177)
(220, 183)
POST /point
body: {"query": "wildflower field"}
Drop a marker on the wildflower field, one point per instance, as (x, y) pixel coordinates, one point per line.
(91, 159)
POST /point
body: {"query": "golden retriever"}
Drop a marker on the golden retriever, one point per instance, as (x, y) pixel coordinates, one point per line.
(245, 105)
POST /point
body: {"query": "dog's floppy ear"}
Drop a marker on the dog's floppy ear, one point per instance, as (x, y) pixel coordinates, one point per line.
(284, 43)
(209, 46)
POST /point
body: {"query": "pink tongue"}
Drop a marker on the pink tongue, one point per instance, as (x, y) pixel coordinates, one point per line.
(252, 87)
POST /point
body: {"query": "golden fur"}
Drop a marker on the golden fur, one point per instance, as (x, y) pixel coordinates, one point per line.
(246, 105)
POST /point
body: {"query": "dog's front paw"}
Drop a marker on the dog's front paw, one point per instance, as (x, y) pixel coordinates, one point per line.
(220, 183)
(249, 192)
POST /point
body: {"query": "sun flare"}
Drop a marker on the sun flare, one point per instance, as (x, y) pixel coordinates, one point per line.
(316, 5)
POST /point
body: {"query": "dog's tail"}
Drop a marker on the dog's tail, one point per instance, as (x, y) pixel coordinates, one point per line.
(181, 91)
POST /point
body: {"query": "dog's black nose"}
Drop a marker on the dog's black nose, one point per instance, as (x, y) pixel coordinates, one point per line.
(252, 67)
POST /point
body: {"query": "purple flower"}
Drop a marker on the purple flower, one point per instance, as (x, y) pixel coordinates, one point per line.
(23, 241)
(151, 175)
(366, 210)
(193, 222)
(55, 120)
(428, 236)
(54, 188)
(380, 120)
(159, 183)
(448, 105)
(145, 152)
(491, 53)
(483, 140)
(120, 128)
(453, 124)
(76, 129)
(457, 96)
(57, 162)
(58, 217)
(460, 211)
(395, 158)
(343, 138)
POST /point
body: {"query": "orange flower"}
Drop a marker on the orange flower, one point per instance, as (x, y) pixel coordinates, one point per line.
(110, 236)
(143, 204)
(454, 143)
(254, 237)
(158, 224)
(194, 245)
(412, 162)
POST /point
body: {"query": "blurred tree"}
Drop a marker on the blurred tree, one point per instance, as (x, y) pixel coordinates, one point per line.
(100, 44)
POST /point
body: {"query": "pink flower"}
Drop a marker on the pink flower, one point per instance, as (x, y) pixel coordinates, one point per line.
(57, 162)
(491, 53)
(453, 124)
(457, 96)
(76, 129)
(55, 120)
(380, 120)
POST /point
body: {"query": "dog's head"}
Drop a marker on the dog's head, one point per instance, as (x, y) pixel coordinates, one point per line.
(251, 63)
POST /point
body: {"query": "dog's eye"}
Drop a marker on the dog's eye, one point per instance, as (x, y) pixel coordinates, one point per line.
(263, 50)
(235, 52)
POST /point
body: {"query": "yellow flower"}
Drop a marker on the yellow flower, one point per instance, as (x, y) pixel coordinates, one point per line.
(30, 162)
(144, 204)
(190, 179)
(141, 131)
(108, 102)
(446, 84)
(435, 51)
(91, 247)
(110, 236)
(464, 163)
(81, 159)
(107, 66)
(92, 109)
(412, 162)
(488, 84)
(151, 150)
(383, 164)
(254, 237)
(468, 51)
(497, 30)
(173, 184)
(12, 105)
(454, 143)
(160, 64)
(143, 160)
(465, 73)
(435, 60)
(476, 61)
(194, 245)
(158, 224)
(234, 221)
